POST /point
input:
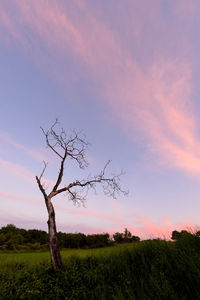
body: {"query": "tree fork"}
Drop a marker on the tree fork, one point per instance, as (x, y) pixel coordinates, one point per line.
(73, 147)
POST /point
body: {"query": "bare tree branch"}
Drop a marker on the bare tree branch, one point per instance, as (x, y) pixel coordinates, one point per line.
(77, 197)
(111, 186)
(48, 135)
(41, 187)
(45, 165)
(73, 146)
(60, 175)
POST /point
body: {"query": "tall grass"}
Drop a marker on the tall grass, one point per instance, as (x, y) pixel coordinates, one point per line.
(148, 270)
(33, 258)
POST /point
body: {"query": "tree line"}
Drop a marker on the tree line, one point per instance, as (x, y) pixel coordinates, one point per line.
(13, 238)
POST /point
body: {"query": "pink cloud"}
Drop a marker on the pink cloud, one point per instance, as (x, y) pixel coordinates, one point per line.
(23, 221)
(20, 198)
(163, 112)
(17, 170)
(23, 173)
(6, 195)
(148, 228)
(144, 226)
(94, 215)
(31, 152)
(154, 100)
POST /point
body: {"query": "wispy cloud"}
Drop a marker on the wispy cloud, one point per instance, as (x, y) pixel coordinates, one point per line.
(6, 195)
(6, 138)
(142, 226)
(17, 170)
(149, 228)
(159, 105)
(23, 173)
(153, 98)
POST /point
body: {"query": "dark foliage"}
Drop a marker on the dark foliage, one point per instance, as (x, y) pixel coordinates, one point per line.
(183, 234)
(125, 237)
(13, 238)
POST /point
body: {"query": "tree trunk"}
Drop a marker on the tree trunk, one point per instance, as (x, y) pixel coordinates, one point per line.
(54, 248)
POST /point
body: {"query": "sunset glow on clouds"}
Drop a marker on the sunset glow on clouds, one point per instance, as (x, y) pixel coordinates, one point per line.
(131, 66)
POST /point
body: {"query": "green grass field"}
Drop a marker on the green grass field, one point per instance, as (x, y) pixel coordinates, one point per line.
(33, 258)
(146, 270)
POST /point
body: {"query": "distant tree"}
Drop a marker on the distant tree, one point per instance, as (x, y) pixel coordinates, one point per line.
(118, 237)
(198, 233)
(176, 235)
(35, 235)
(71, 240)
(2, 240)
(10, 228)
(125, 237)
(135, 238)
(71, 146)
(97, 240)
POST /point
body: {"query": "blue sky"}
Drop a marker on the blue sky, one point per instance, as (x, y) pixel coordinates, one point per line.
(126, 73)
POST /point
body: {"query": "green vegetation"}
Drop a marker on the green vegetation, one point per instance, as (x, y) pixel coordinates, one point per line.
(13, 238)
(153, 269)
(33, 258)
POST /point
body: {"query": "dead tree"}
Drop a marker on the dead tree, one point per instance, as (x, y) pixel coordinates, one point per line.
(74, 147)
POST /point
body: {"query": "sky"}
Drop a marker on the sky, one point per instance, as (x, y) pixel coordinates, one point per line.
(124, 72)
